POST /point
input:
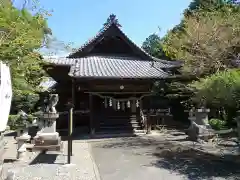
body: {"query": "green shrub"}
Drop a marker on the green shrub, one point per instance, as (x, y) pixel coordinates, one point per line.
(217, 124)
(220, 90)
(25, 102)
(15, 121)
(12, 121)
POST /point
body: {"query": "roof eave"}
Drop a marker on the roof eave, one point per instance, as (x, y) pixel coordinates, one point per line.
(119, 78)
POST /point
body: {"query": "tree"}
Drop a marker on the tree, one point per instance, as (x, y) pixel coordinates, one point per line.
(206, 4)
(196, 6)
(153, 46)
(209, 41)
(220, 91)
(22, 35)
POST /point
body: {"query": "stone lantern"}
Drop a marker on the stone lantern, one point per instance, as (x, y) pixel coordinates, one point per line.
(199, 127)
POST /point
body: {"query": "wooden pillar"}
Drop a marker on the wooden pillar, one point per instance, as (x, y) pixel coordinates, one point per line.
(73, 101)
(154, 121)
(138, 111)
(92, 125)
(72, 122)
(133, 107)
(149, 123)
(70, 134)
(144, 114)
(149, 117)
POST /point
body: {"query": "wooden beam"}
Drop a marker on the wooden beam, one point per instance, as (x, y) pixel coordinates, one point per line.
(132, 92)
(92, 126)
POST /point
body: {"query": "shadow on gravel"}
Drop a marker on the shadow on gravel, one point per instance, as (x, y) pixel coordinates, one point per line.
(129, 143)
(13, 134)
(98, 136)
(180, 159)
(195, 164)
(9, 160)
(44, 159)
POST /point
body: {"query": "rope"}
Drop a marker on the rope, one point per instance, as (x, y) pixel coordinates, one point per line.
(121, 99)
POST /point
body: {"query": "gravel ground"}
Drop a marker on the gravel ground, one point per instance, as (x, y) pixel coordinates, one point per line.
(154, 157)
(143, 158)
(51, 166)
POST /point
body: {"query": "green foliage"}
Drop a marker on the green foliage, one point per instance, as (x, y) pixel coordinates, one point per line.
(217, 124)
(23, 34)
(153, 46)
(219, 90)
(207, 40)
(25, 102)
(15, 121)
(12, 119)
(206, 4)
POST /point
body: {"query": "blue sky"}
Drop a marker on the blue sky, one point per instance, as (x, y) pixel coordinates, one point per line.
(78, 20)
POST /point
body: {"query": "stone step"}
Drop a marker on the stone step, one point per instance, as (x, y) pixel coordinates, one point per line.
(117, 119)
(120, 132)
(112, 123)
(120, 127)
(118, 116)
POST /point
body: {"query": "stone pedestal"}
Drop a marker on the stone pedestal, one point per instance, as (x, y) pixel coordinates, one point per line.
(47, 138)
(21, 143)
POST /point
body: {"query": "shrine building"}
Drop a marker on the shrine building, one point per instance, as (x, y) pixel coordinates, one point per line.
(109, 80)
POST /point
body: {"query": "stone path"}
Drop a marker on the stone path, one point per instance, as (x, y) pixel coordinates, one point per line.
(52, 166)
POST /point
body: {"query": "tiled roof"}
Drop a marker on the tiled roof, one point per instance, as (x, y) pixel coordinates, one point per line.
(60, 61)
(107, 27)
(65, 61)
(115, 67)
(160, 63)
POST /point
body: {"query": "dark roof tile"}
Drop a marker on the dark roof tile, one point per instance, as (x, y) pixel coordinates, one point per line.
(115, 67)
(172, 64)
(60, 61)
